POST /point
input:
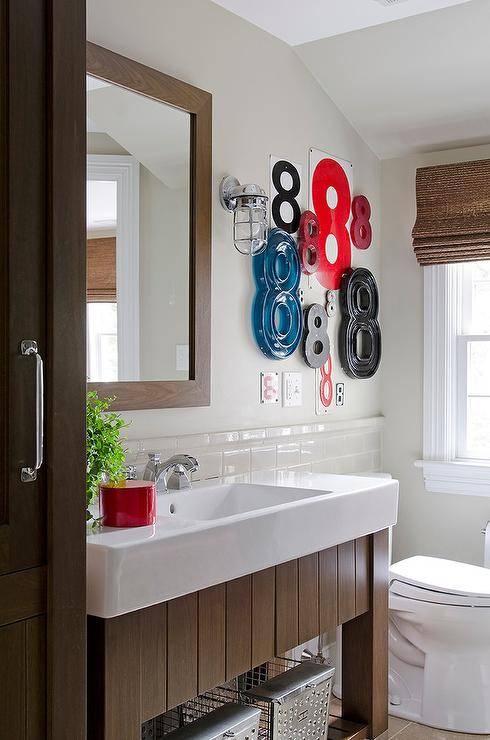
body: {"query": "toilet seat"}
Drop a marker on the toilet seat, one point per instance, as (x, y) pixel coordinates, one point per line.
(439, 581)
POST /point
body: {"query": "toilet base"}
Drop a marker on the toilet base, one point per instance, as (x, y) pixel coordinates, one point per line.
(450, 692)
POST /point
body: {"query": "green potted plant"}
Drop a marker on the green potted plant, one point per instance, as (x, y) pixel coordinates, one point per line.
(105, 452)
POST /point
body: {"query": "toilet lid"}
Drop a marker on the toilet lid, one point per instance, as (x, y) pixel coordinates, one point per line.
(459, 581)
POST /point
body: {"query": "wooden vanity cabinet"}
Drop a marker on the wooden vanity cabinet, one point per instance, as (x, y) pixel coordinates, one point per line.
(146, 662)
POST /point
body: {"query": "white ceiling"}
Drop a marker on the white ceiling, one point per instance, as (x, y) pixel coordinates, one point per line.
(418, 84)
(299, 22)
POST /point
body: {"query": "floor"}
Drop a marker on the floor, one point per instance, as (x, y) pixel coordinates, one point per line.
(402, 729)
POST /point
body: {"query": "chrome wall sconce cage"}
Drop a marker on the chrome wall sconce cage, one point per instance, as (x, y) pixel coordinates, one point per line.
(248, 203)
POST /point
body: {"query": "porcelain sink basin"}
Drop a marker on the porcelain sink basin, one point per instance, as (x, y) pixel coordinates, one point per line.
(215, 533)
(220, 502)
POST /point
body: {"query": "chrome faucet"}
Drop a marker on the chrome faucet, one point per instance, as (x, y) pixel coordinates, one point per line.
(171, 475)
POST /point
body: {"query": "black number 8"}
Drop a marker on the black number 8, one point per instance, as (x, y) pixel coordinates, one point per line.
(316, 344)
(360, 335)
(286, 196)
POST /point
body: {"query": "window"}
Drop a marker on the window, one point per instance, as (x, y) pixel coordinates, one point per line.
(473, 366)
(457, 378)
(102, 342)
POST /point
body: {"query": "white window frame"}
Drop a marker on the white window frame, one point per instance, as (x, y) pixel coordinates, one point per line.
(445, 348)
(124, 170)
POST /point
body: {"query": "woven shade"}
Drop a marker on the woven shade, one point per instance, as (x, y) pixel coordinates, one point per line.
(101, 270)
(453, 213)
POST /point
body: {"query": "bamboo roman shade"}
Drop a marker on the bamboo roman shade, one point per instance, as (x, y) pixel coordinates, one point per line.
(101, 270)
(453, 213)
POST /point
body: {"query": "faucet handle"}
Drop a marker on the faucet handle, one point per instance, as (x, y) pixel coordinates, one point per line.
(154, 457)
(188, 462)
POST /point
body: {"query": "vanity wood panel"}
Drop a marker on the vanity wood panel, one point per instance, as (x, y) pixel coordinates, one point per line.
(286, 606)
(122, 678)
(211, 638)
(225, 630)
(362, 575)
(153, 659)
(365, 648)
(346, 563)
(238, 626)
(263, 615)
(308, 612)
(328, 592)
(182, 649)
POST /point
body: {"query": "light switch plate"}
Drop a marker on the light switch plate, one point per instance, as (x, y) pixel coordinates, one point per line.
(269, 387)
(182, 357)
(292, 389)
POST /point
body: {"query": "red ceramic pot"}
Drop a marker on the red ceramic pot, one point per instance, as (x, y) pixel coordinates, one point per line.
(131, 503)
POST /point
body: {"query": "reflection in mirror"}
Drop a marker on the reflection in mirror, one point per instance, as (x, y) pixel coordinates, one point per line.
(138, 236)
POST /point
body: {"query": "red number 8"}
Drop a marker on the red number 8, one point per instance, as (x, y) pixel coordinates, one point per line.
(333, 220)
(326, 387)
(360, 228)
(308, 236)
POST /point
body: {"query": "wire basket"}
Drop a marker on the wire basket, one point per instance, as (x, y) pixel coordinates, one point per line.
(279, 719)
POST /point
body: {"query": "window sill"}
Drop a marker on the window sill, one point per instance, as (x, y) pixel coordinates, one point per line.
(470, 478)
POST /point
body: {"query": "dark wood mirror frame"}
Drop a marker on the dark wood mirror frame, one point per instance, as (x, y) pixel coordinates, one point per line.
(159, 394)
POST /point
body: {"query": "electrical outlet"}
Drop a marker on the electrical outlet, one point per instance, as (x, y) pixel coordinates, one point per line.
(339, 394)
(292, 389)
(269, 387)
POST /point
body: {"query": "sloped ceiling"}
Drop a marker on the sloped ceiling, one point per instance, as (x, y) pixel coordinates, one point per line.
(300, 22)
(411, 77)
(418, 84)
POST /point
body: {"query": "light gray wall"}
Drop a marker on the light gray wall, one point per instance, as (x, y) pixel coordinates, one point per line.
(264, 102)
(444, 525)
(164, 277)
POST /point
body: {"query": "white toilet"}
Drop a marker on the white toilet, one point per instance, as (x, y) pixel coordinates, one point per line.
(440, 644)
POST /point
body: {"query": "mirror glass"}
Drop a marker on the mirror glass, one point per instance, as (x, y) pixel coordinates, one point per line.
(138, 236)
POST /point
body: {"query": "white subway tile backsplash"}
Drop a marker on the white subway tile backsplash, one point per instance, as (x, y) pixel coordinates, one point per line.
(232, 456)
(188, 441)
(263, 457)
(303, 468)
(288, 454)
(354, 444)
(243, 478)
(377, 464)
(372, 441)
(210, 465)
(253, 434)
(334, 446)
(221, 438)
(236, 461)
(312, 450)
(156, 444)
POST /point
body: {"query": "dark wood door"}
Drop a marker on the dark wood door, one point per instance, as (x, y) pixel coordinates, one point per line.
(42, 557)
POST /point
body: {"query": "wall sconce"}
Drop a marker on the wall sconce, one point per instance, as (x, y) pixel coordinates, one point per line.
(248, 203)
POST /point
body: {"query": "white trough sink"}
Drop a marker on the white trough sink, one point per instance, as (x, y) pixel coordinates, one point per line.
(214, 533)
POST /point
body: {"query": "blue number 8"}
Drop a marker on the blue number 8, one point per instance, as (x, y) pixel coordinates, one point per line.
(277, 320)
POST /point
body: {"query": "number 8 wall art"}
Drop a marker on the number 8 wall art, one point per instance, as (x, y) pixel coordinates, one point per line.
(319, 244)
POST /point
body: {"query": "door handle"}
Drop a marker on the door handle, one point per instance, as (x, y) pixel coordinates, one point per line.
(28, 348)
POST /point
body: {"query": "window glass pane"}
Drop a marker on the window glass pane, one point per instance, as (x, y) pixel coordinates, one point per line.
(479, 368)
(102, 341)
(478, 428)
(479, 320)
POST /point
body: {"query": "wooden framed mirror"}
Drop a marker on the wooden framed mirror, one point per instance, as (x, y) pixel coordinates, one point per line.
(148, 235)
